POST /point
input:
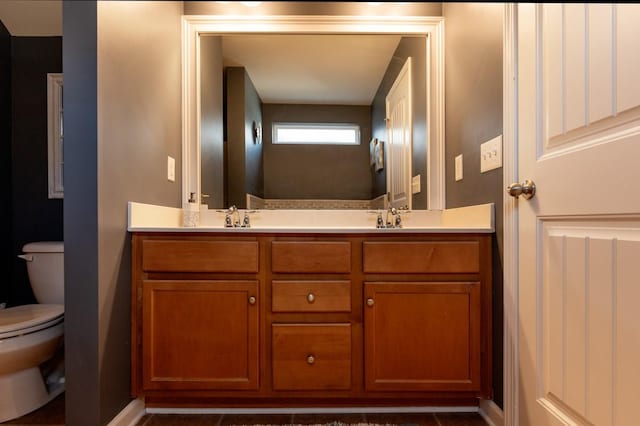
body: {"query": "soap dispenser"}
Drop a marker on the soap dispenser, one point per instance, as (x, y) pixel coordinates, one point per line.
(191, 213)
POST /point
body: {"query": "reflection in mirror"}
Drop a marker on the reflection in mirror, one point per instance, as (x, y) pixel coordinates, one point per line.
(249, 83)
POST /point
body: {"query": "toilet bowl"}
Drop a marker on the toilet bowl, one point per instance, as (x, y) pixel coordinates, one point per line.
(31, 336)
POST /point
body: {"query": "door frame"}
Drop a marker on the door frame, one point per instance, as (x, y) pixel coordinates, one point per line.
(510, 213)
(431, 26)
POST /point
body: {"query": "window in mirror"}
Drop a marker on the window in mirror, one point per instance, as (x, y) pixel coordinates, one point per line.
(55, 134)
(316, 134)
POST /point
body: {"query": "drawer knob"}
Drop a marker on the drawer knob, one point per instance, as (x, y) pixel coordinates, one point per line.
(370, 302)
(311, 298)
(311, 359)
(252, 300)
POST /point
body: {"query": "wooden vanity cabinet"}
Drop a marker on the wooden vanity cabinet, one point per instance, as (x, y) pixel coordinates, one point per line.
(273, 319)
(200, 334)
(196, 314)
(422, 336)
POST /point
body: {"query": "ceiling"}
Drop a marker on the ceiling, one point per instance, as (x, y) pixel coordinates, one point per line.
(32, 17)
(312, 69)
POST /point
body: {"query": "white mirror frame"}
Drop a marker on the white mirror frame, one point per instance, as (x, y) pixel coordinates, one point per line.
(432, 27)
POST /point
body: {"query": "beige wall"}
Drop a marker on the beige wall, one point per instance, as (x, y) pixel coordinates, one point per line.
(139, 125)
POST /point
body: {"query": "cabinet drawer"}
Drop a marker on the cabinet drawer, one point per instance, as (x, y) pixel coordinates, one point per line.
(311, 356)
(421, 257)
(200, 256)
(311, 296)
(311, 256)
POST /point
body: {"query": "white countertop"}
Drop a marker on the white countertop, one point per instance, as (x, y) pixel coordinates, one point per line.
(472, 219)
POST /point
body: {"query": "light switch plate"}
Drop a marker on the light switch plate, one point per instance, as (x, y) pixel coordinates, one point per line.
(458, 167)
(415, 184)
(171, 169)
(491, 154)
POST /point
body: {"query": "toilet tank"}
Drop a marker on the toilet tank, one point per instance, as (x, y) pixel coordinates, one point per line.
(45, 266)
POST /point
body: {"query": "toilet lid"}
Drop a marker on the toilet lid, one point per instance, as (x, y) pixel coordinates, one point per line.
(28, 318)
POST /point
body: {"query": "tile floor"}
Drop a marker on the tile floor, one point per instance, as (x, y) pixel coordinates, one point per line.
(52, 414)
(423, 419)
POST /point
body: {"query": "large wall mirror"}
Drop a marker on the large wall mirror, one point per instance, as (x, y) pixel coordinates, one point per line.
(251, 84)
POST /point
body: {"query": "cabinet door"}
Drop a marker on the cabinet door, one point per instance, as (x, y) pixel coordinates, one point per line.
(422, 336)
(200, 335)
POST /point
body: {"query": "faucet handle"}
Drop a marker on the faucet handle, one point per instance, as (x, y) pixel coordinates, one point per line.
(245, 220)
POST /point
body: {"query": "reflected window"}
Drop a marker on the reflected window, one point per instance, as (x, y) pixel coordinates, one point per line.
(316, 134)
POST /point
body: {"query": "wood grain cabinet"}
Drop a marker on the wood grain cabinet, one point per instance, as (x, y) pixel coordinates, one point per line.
(422, 336)
(200, 334)
(251, 319)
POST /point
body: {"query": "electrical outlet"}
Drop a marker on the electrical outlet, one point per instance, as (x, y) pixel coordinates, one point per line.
(458, 167)
(171, 169)
(491, 154)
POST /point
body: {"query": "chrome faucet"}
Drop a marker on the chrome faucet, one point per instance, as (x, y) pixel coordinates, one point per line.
(392, 220)
(232, 218)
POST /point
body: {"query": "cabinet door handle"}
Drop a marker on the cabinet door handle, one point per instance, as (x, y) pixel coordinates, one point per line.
(370, 302)
(311, 359)
(311, 298)
(252, 300)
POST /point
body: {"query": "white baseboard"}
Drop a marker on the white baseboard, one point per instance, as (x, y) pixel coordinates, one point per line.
(311, 410)
(491, 413)
(130, 414)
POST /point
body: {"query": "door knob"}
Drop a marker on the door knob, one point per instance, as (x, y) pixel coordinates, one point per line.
(527, 189)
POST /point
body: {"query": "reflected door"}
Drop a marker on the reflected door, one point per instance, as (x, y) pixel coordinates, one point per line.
(399, 135)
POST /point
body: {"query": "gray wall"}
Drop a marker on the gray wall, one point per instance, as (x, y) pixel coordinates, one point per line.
(211, 121)
(416, 48)
(312, 8)
(35, 216)
(120, 129)
(6, 247)
(244, 173)
(473, 78)
(317, 171)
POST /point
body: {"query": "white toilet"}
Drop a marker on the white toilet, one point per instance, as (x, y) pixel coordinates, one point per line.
(31, 336)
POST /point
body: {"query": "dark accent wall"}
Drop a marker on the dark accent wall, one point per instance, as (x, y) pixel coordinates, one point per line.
(80, 99)
(6, 243)
(317, 171)
(211, 122)
(35, 216)
(416, 48)
(120, 129)
(473, 87)
(244, 157)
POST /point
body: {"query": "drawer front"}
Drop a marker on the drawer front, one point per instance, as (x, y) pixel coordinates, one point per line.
(311, 296)
(200, 256)
(311, 356)
(311, 256)
(421, 257)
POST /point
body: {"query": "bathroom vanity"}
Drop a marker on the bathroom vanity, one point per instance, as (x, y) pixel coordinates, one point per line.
(315, 317)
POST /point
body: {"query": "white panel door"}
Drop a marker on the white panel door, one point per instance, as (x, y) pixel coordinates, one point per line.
(399, 136)
(579, 236)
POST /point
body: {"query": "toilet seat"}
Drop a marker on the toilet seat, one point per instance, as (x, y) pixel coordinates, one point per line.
(25, 319)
